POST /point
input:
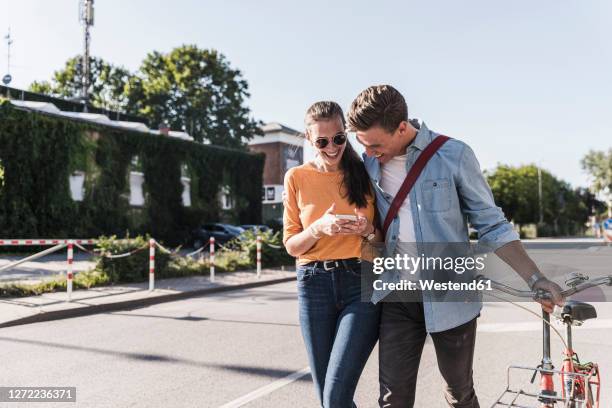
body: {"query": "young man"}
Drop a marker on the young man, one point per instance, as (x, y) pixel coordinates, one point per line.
(450, 191)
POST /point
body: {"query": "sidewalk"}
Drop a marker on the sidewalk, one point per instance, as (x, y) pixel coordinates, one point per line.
(52, 306)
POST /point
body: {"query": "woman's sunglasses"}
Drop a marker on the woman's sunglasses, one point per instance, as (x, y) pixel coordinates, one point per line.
(338, 140)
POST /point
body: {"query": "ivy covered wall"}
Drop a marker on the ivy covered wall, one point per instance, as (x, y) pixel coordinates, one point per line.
(39, 152)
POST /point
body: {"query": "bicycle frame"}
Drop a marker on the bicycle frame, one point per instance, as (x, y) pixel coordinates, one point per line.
(576, 380)
(515, 394)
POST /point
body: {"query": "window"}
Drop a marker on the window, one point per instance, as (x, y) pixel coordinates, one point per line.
(225, 198)
(186, 196)
(136, 164)
(186, 182)
(136, 193)
(270, 193)
(77, 181)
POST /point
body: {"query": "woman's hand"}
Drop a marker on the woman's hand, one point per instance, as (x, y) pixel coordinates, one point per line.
(362, 227)
(330, 225)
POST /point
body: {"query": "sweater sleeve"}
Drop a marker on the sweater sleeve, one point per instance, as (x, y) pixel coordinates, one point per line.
(292, 224)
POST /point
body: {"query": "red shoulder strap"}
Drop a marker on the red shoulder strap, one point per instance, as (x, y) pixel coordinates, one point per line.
(411, 178)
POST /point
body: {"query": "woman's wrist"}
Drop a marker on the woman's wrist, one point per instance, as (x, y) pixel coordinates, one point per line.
(314, 232)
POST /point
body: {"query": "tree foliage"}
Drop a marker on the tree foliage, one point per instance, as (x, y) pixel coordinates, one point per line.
(107, 83)
(188, 88)
(195, 90)
(599, 166)
(565, 210)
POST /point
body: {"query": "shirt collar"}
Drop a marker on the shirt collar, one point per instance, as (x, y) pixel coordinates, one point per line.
(422, 139)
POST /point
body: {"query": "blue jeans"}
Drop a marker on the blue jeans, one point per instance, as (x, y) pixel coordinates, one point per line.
(339, 330)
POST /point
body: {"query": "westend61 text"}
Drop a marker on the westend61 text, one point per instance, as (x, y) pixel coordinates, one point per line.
(429, 285)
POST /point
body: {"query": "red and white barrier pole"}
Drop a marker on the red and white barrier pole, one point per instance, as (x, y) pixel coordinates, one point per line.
(151, 264)
(259, 256)
(212, 259)
(69, 270)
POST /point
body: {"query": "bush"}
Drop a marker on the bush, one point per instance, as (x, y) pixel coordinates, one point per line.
(273, 252)
(133, 268)
(233, 260)
(82, 280)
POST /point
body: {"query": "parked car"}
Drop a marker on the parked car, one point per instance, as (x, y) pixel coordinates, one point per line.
(222, 233)
(256, 228)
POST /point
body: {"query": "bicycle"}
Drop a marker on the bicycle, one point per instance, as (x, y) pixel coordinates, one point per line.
(580, 381)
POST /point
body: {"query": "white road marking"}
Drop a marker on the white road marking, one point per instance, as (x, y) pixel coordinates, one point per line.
(482, 327)
(537, 326)
(267, 389)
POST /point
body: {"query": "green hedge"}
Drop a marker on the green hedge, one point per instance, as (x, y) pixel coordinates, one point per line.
(38, 152)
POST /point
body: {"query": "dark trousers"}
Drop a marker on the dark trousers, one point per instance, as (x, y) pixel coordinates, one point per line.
(402, 337)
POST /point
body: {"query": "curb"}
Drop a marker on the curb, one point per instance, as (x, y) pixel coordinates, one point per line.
(134, 304)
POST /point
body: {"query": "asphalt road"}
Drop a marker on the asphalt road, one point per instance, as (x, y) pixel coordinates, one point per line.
(219, 350)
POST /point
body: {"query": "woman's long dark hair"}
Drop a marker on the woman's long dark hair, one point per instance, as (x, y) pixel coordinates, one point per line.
(355, 178)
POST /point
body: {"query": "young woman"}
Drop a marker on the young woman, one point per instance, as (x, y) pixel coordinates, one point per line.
(339, 325)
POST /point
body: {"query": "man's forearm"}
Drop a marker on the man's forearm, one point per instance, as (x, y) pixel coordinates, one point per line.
(514, 254)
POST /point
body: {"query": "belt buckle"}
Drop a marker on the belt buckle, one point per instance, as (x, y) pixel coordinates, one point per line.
(334, 265)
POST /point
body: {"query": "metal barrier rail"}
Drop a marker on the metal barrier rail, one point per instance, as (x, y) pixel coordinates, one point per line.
(59, 244)
(45, 242)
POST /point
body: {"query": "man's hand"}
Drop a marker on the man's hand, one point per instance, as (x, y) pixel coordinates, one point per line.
(513, 253)
(555, 293)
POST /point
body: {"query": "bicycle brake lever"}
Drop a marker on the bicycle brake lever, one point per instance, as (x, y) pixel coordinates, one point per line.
(575, 278)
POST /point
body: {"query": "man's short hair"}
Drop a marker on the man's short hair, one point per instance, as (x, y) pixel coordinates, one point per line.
(379, 105)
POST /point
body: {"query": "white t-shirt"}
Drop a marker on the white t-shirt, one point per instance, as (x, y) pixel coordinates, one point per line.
(393, 175)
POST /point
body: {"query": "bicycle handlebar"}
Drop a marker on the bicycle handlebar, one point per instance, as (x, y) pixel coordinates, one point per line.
(541, 294)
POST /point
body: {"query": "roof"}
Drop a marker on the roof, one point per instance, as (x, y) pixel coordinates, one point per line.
(278, 127)
(66, 104)
(275, 132)
(97, 118)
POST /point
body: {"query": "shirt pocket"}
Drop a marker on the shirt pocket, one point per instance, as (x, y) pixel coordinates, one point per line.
(436, 195)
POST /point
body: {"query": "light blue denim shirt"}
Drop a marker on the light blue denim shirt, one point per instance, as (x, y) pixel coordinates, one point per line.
(450, 191)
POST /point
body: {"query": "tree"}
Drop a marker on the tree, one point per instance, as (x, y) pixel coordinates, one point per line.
(599, 166)
(189, 89)
(107, 83)
(515, 189)
(194, 90)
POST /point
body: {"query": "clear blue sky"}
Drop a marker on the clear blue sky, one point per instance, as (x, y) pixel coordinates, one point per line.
(520, 81)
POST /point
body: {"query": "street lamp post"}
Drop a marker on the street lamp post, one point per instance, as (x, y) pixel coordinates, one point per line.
(541, 209)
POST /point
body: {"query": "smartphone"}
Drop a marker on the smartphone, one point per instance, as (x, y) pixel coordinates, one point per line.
(350, 217)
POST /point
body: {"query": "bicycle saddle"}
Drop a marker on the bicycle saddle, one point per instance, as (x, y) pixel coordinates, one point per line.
(577, 312)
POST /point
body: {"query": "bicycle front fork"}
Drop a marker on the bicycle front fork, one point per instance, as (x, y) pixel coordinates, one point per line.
(547, 385)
